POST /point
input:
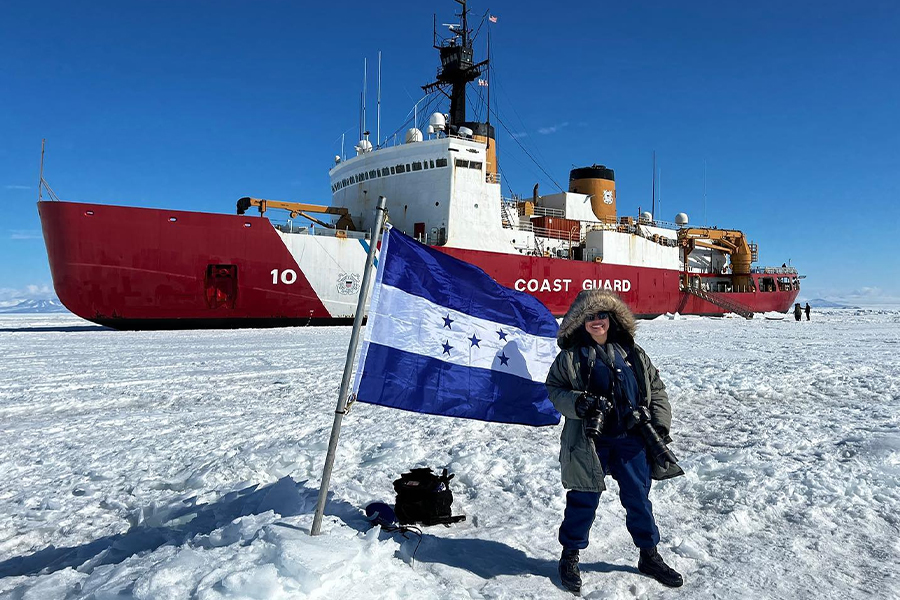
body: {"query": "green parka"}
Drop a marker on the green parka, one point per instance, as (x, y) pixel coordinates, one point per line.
(580, 465)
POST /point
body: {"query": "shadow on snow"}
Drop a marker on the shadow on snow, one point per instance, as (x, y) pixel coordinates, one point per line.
(489, 559)
(181, 522)
(61, 328)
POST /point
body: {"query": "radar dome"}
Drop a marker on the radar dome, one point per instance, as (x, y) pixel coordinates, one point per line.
(646, 217)
(465, 132)
(438, 121)
(363, 146)
(681, 219)
(413, 135)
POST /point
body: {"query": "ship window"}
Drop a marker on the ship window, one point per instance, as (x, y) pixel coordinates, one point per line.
(461, 163)
(441, 162)
(401, 169)
(408, 169)
(417, 166)
(432, 164)
(424, 164)
(392, 171)
(475, 165)
(372, 174)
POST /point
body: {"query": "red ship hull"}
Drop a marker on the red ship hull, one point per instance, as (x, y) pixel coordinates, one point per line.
(139, 268)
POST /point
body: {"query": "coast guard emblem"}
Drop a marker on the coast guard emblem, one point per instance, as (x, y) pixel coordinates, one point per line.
(348, 283)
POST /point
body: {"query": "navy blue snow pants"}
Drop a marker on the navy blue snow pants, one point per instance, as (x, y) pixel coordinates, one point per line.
(626, 460)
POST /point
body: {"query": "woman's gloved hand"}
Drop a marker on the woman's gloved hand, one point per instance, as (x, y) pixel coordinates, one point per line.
(586, 404)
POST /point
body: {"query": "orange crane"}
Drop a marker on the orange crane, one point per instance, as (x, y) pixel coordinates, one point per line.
(728, 241)
(344, 221)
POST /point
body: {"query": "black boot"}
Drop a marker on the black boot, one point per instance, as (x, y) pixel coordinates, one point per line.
(568, 571)
(651, 563)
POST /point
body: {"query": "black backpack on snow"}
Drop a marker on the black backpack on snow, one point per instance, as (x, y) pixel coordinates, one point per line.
(423, 497)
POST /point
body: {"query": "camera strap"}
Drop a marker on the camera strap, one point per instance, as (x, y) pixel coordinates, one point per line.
(619, 374)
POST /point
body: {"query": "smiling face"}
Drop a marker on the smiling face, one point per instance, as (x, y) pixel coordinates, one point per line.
(598, 329)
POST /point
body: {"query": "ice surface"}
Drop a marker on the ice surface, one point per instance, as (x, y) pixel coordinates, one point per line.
(178, 465)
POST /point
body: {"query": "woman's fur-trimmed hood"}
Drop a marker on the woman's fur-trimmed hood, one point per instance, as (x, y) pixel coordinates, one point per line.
(588, 302)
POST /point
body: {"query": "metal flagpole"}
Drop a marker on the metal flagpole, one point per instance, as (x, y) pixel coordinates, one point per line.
(341, 409)
(41, 182)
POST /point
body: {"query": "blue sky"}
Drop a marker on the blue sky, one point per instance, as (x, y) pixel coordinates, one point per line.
(792, 107)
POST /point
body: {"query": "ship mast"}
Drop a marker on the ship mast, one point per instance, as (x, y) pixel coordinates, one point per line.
(457, 65)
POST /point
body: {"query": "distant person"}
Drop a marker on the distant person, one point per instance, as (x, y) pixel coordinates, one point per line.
(807, 311)
(612, 399)
(798, 312)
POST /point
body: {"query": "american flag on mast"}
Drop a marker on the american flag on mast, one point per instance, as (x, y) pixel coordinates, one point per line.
(492, 19)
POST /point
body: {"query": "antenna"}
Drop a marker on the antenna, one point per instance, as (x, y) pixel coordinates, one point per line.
(659, 192)
(365, 83)
(488, 69)
(653, 194)
(378, 120)
(41, 182)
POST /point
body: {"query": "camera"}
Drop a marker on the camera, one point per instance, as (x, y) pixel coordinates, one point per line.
(639, 420)
(593, 421)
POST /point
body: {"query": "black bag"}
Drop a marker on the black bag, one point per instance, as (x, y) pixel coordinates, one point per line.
(423, 497)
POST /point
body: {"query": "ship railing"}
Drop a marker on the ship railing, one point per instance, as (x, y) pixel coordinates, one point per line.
(662, 225)
(608, 227)
(323, 231)
(774, 270)
(545, 211)
(520, 226)
(517, 204)
(340, 233)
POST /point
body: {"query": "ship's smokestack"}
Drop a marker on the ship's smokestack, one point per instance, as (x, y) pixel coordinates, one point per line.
(599, 183)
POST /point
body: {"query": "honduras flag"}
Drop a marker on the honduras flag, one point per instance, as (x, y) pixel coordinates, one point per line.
(444, 338)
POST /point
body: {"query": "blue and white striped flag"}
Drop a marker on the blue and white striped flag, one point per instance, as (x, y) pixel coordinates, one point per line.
(444, 338)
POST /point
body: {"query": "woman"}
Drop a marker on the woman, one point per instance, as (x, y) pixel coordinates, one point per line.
(601, 371)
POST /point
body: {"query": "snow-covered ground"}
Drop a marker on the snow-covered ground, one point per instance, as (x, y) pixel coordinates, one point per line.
(185, 465)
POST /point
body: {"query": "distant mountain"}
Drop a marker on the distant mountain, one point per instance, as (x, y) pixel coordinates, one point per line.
(34, 306)
(822, 303)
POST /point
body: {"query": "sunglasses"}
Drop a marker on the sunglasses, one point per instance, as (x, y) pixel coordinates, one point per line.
(598, 316)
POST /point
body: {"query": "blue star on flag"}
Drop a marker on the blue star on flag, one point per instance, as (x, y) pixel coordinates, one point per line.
(474, 339)
(447, 347)
(447, 321)
(502, 334)
(504, 359)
